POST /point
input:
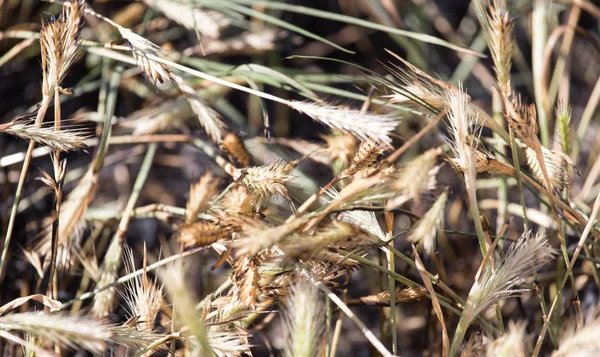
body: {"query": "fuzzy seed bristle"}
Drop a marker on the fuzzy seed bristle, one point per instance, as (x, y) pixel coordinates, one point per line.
(364, 126)
(59, 41)
(425, 231)
(141, 48)
(414, 178)
(340, 147)
(365, 158)
(268, 180)
(202, 233)
(557, 164)
(65, 139)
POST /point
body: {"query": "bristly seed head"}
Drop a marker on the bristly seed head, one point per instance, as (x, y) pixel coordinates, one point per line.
(59, 40)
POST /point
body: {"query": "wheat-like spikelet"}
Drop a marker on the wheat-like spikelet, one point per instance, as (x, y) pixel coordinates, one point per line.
(265, 181)
(512, 270)
(522, 119)
(583, 343)
(207, 117)
(64, 140)
(511, 344)
(383, 298)
(234, 146)
(340, 146)
(246, 279)
(201, 193)
(557, 165)
(416, 86)
(105, 301)
(413, 179)
(237, 201)
(209, 23)
(304, 321)
(259, 236)
(365, 158)
(332, 233)
(203, 233)
(425, 231)
(67, 331)
(364, 126)
(498, 25)
(461, 124)
(563, 125)
(143, 297)
(164, 117)
(504, 279)
(59, 42)
(141, 48)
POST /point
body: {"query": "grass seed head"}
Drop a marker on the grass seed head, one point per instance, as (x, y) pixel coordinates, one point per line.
(142, 49)
(234, 146)
(425, 231)
(511, 344)
(66, 139)
(59, 41)
(413, 179)
(364, 126)
(304, 323)
(201, 193)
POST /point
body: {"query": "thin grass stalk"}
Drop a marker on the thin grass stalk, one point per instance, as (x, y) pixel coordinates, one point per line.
(46, 100)
(389, 221)
(128, 277)
(539, 27)
(563, 57)
(555, 303)
(502, 187)
(586, 117)
(104, 301)
(338, 322)
(517, 165)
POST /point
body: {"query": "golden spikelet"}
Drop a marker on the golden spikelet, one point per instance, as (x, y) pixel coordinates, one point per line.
(201, 193)
(141, 48)
(246, 279)
(59, 41)
(498, 25)
(340, 147)
(237, 201)
(414, 178)
(234, 146)
(202, 233)
(522, 119)
(265, 181)
(383, 298)
(364, 159)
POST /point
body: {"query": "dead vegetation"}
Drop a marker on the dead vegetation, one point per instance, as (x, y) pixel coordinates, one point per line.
(436, 224)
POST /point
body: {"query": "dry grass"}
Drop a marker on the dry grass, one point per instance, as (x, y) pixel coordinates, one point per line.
(339, 236)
